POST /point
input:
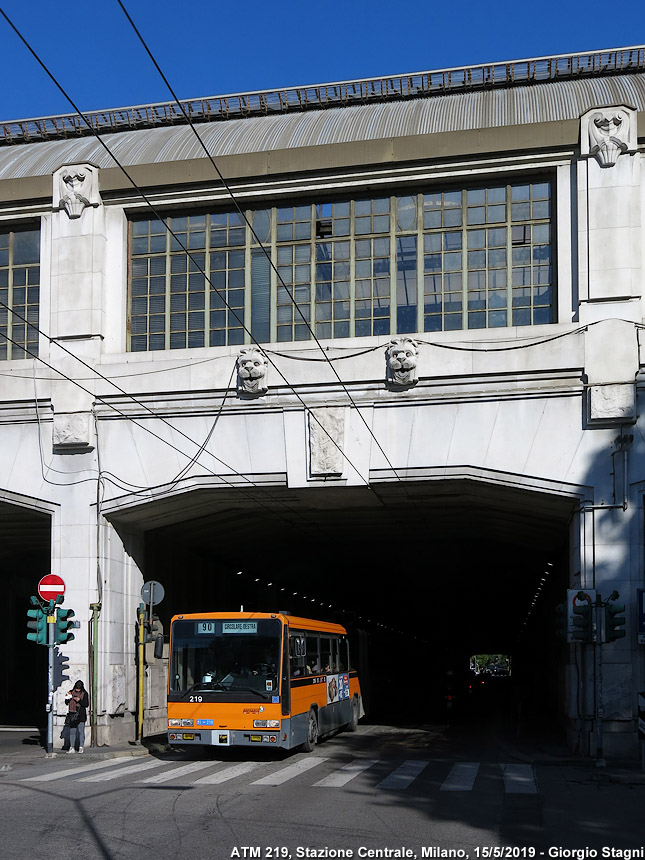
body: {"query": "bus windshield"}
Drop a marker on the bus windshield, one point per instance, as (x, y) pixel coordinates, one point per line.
(225, 660)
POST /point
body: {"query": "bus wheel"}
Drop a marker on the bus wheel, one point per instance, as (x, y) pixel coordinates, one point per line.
(312, 731)
(352, 725)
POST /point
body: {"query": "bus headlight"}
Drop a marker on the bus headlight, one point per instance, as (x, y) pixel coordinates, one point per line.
(266, 724)
(172, 723)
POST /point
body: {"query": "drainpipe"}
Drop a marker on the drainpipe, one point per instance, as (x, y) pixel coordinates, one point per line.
(94, 668)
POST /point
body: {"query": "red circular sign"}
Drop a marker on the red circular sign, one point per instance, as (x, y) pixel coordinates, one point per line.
(51, 586)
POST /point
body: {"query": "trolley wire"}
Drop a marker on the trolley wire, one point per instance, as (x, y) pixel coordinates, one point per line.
(255, 236)
(157, 214)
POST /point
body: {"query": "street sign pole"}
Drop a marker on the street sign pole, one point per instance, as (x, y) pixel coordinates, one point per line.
(140, 669)
(641, 727)
(51, 639)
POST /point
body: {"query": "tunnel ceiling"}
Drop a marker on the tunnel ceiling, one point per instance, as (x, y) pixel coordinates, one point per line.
(454, 558)
(402, 511)
(23, 531)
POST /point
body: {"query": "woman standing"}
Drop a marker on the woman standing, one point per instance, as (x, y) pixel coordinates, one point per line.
(76, 718)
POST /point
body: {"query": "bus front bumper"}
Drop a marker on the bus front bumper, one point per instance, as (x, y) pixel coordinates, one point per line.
(231, 737)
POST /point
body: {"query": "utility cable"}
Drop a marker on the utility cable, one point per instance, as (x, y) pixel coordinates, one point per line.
(160, 438)
(255, 236)
(149, 203)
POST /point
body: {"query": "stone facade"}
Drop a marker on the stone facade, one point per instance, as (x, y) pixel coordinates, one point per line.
(532, 408)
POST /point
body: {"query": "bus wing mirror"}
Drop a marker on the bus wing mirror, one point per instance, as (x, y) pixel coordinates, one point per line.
(158, 652)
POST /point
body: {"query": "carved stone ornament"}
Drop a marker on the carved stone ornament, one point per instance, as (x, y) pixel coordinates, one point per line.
(326, 441)
(72, 433)
(402, 356)
(607, 132)
(76, 188)
(252, 367)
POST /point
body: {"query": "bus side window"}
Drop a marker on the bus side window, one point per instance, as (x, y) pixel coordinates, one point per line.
(342, 655)
(325, 654)
(297, 654)
(312, 660)
(333, 654)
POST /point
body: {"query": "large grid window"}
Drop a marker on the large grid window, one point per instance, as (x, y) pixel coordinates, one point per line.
(439, 260)
(487, 257)
(20, 292)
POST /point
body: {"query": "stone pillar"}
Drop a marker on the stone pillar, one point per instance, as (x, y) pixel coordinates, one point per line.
(77, 316)
(116, 674)
(610, 260)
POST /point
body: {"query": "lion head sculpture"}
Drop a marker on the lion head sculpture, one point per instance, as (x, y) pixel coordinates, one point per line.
(402, 357)
(252, 368)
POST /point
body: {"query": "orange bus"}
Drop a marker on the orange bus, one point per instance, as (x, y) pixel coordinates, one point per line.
(259, 679)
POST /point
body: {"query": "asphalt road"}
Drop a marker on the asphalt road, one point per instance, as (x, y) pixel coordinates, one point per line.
(422, 790)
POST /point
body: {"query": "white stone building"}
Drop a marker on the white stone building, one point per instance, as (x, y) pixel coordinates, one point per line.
(392, 363)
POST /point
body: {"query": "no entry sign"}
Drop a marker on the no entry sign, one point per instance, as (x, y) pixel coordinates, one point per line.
(51, 586)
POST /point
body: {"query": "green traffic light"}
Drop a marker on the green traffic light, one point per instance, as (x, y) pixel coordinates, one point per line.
(61, 665)
(582, 623)
(561, 622)
(63, 624)
(614, 621)
(37, 621)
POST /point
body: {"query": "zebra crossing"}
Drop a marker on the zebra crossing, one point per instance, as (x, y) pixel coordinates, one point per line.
(385, 774)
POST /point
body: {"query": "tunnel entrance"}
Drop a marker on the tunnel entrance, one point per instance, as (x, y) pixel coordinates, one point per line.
(25, 551)
(434, 571)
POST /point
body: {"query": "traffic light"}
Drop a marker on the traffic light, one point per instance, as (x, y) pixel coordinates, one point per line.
(63, 624)
(152, 627)
(561, 621)
(614, 621)
(582, 623)
(60, 667)
(37, 621)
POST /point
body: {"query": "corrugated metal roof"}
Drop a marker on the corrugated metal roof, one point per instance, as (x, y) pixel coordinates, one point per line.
(538, 103)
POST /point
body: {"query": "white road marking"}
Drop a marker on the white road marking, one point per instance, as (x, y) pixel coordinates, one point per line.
(291, 771)
(177, 772)
(349, 771)
(228, 773)
(519, 779)
(461, 777)
(126, 771)
(72, 771)
(403, 775)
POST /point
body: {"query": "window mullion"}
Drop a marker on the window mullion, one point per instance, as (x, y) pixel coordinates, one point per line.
(509, 259)
(393, 269)
(273, 254)
(168, 293)
(248, 286)
(420, 259)
(464, 260)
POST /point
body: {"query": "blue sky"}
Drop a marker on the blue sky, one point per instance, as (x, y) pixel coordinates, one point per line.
(212, 48)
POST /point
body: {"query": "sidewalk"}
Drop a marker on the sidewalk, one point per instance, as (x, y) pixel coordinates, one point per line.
(545, 751)
(26, 745)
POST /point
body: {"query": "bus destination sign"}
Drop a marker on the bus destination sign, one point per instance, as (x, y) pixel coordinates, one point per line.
(239, 626)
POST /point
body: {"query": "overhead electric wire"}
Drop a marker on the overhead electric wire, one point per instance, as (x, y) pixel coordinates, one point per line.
(256, 237)
(149, 203)
(161, 439)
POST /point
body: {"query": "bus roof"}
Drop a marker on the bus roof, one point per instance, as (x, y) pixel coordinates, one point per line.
(292, 620)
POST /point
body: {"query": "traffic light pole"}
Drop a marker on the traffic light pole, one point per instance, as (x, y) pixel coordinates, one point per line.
(141, 638)
(51, 640)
